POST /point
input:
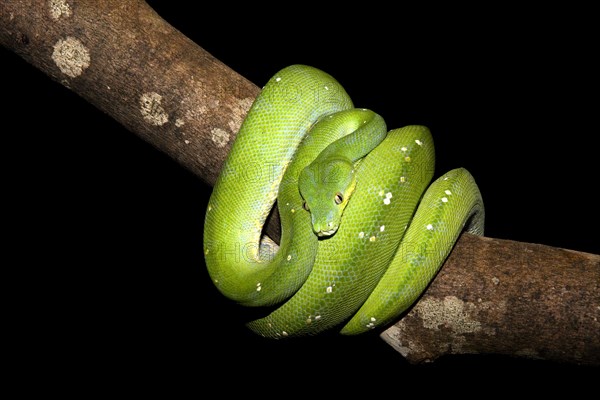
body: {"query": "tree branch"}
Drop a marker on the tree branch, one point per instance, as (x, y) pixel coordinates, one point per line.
(492, 296)
(504, 297)
(128, 62)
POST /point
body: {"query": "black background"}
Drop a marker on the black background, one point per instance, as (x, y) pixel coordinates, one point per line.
(106, 232)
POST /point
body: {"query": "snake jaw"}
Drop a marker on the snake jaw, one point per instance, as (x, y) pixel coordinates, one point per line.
(325, 233)
(325, 222)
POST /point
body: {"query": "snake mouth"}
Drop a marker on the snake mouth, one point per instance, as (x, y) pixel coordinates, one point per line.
(324, 225)
(329, 232)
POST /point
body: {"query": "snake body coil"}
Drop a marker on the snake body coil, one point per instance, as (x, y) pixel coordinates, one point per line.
(363, 232)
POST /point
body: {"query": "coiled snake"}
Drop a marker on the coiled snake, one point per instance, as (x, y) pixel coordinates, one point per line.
(363, 231)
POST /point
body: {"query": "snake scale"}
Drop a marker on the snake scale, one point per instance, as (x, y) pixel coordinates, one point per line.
(363, 229)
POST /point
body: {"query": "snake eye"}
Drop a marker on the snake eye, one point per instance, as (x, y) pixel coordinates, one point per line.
(339, 198)
(305, 206)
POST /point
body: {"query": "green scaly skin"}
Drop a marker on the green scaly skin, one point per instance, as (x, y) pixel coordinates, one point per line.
(363, 233)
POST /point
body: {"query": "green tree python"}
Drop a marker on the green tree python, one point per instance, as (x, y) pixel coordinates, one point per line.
(363, 230)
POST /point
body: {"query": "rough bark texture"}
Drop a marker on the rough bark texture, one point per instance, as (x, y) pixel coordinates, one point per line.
(127, 61)
(491, 296)
(504, 297)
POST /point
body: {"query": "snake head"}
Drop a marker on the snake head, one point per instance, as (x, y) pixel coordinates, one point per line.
(326, 187)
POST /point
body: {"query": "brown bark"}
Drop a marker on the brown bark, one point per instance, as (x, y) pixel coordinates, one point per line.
(503, 297)
(492, 296)
(128, 62)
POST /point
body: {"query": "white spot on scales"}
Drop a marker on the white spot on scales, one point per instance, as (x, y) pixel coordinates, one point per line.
(371, 324)
(329, 288)
(387, 199)
(310, 319)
